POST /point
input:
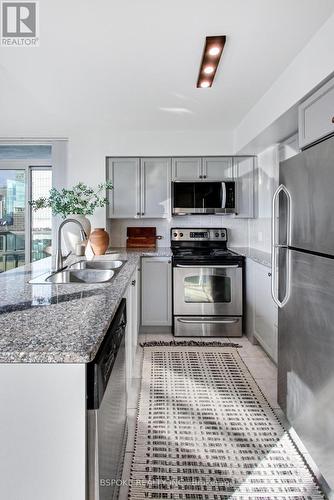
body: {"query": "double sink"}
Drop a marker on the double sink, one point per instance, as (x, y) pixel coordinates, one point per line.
(93, 271)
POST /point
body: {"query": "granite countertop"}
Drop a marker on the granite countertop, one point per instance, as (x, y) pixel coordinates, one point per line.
(259, 256)
(49, 323)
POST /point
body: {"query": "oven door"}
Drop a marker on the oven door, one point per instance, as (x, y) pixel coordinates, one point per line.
(213, 290)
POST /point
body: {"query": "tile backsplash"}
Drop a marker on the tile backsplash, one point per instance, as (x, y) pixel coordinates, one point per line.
(237, 228)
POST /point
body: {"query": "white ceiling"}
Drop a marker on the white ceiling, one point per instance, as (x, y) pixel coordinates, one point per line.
(130, 64)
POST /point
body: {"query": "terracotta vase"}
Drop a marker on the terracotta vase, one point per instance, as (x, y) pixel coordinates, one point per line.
(99, 240)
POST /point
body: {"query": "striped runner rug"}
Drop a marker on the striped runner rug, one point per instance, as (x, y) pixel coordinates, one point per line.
(206, 432)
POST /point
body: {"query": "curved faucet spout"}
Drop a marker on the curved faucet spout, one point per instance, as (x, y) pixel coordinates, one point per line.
(59, 255)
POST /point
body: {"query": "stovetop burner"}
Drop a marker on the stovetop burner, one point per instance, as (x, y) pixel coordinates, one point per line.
(202, 245)
(200, 252)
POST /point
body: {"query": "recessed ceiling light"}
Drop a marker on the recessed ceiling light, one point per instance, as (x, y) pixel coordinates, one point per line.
(214, 46)
(214, 51)
(208, 70)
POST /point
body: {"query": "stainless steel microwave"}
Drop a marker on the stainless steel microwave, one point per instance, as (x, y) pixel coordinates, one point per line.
(203, 198)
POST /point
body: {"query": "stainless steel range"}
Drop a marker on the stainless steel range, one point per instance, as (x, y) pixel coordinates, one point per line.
(207, 284)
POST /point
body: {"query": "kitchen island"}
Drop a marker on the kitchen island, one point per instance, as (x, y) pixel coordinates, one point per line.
(48, 334)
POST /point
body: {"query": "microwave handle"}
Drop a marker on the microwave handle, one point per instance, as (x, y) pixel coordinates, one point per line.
(223, 195)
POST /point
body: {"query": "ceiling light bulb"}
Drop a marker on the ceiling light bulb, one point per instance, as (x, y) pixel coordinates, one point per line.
(205, 84)
(214, 51)
(208, 70)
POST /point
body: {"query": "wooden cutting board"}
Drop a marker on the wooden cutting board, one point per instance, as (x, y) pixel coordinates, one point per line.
(145, 237)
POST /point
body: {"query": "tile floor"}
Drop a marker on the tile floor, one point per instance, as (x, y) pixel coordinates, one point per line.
(261, 367)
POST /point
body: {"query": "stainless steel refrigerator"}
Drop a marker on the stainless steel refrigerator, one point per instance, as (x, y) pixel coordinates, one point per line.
(303, 288)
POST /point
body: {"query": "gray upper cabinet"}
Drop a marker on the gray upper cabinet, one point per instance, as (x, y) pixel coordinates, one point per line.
(316, 115)
(141, 187)
(124, 198)
(243, 167)
(187, 169)
(214, 168)
(155, 187)
(217, 168)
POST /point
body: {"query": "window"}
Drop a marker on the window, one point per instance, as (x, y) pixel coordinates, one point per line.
(41, 221)
(25, 173)
(12, 218)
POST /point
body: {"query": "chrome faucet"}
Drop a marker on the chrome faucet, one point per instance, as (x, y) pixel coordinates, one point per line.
(59, 255)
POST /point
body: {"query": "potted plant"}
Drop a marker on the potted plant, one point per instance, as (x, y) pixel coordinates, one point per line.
(74, 203)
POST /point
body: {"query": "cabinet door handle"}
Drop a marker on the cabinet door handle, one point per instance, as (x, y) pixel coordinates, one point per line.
(143, 213)
(332, 119)
(204, 176)
(138, 213)
(133, 282)
(269, 274)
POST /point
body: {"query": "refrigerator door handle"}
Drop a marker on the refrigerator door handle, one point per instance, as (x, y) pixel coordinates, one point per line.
(275, 245)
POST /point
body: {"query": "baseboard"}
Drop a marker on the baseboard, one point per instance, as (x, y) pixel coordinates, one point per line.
(155, 329)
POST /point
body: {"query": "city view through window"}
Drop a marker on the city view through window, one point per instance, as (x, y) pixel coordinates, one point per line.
(14, 211)
(41, 221)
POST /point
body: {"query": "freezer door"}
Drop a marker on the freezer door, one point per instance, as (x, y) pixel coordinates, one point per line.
(306, 357)
(309, 178)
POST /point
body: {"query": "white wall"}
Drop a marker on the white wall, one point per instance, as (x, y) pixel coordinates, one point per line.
(267, 172)
(237, 228)
(266, 183)
(88, 150)
(309, 68)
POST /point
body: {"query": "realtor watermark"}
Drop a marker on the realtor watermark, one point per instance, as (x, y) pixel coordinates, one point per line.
(19, 24)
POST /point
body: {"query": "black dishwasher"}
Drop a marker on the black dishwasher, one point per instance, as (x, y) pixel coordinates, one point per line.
(106, 411)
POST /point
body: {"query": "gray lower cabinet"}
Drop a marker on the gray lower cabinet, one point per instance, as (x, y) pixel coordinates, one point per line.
(244, 172)
(156, 287)
(261, 309)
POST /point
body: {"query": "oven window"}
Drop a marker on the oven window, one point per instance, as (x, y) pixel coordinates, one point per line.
(207, 289)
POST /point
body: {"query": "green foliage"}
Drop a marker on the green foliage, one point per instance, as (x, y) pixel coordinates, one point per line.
(80, 200)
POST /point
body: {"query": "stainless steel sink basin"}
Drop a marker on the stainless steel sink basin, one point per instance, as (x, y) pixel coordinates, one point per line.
(98, 264)
(81, 276)
(75, 276)
(84, 271)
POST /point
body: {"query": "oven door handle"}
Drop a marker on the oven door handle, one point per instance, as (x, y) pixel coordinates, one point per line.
(209, 321)
(207, 266)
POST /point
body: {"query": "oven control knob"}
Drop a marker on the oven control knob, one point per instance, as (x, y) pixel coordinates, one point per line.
(217, 235)
(181, 234)
(175, 235)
